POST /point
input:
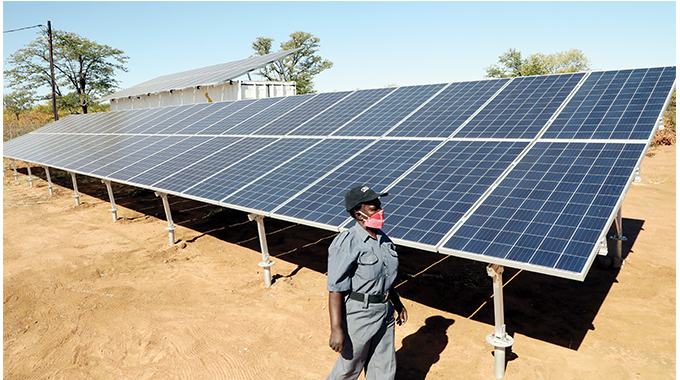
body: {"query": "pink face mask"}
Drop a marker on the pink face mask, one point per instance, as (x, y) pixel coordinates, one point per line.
(376, 220)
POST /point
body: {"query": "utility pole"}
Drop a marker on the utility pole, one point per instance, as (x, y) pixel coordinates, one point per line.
(54, 86)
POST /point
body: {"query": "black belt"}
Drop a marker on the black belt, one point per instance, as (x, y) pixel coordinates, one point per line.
(372, 298)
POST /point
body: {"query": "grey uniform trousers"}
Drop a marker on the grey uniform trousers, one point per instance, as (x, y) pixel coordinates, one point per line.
(369, 342)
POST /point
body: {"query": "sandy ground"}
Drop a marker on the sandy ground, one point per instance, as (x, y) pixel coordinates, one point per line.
(88, 298)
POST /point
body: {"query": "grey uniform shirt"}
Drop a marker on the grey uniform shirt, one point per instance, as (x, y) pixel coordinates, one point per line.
(357, 261)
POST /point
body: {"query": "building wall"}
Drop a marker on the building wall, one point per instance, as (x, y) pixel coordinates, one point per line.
(235, 90)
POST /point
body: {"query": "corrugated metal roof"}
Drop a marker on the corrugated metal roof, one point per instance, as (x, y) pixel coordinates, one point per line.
(205, 76)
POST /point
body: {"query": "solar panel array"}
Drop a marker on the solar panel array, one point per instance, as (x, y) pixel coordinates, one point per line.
(204, 76)
(525, 172)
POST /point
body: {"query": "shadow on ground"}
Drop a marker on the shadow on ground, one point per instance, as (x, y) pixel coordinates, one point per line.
(550, 309)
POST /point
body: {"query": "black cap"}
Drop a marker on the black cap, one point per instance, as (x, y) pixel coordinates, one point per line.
(359, 195)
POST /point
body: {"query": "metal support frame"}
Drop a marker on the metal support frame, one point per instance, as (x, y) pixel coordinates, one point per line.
(49, 179)
(619, 238)
(266, 263)
(75, 188)
(638, 175)
(113, 202)
(168, 215)
(499, 339)
(30, 176)
(14, 165)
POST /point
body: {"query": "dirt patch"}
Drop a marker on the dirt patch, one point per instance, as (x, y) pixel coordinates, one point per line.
(88, 298)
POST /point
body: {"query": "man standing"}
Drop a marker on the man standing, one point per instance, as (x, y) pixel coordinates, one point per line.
(362, 267)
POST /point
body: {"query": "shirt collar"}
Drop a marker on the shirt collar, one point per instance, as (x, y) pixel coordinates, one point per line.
(363, 234)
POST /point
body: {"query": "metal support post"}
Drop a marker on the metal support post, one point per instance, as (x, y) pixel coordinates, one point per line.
(14, 165)
(113, 202)
(499, 339)
(30, 176)
(266, 263)
(75, 188)
(619, 238)
(168, 215)
(638, 175)
(49, 179)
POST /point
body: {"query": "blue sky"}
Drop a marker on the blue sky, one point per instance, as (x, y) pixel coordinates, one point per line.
(372, 44)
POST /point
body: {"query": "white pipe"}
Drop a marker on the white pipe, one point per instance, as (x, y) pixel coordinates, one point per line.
(49, 179)
(75, 188)
(30, 176)
(113, 202)
(171, 227)
(499, 339)
(266, 263)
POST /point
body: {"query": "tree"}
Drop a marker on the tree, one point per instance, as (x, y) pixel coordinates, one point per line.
(300, 67)
(84, 69)
(511, 64)
(18, 101)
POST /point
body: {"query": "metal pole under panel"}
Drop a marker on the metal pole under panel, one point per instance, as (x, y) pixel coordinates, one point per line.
(168, 215)
(30, 176)
(14, 165)
(49, 179)
(499, 339)
(113, 202)
(618, 254)
(75, 188)
(266, 263)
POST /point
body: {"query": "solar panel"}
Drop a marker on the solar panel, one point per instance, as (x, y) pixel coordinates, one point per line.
(166, 150)
(293, 119)
(205, 76)
(135, 153)
(524, 172)
(429, 201)
(615, 105)
(341, 112)
(523, 108)
(446, 112)
(225, 182)
(186, 177)
(553, 207)
(276, 187)
(389, 111)
(383, 163)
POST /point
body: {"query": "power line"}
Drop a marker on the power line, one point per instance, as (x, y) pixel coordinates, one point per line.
(28, 27)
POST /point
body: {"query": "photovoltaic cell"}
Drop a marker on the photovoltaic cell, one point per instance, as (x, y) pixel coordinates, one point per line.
(389, 111)
(159, 156)
(293, 119)
(427, 203)
(621, 104)
(380, 165)
(224, 126)
(212, 163)
(552, 208)
(138, 153)
(157, 117)
(84, 148)
(215, 113)
(117, 151)
(196, 150)
(341, 112)
(449, 110)
(276, 187)
(227, 181)
(523, 108)
(179, 121)
(270, 114)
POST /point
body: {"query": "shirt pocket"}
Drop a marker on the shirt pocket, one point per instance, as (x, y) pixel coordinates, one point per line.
(368, 266)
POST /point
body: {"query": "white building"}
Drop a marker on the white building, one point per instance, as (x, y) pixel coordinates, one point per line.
(215, 83)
